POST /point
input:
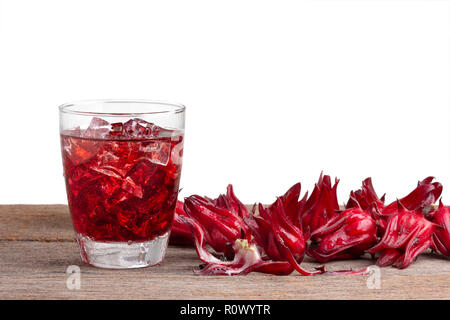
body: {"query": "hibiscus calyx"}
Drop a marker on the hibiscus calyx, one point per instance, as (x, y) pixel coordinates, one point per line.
(441, 236)
(277, 239)
(408, 233)
(345, 236)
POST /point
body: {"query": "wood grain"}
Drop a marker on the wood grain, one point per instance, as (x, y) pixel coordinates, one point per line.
(36, 247)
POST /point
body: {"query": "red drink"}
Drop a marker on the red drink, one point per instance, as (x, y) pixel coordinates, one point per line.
(122, 179)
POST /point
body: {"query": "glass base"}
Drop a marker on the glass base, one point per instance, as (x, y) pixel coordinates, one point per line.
(123, 255)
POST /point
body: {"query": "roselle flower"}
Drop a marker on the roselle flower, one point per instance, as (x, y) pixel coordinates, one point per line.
(230, 202)
(321, 206)
(407, 235)
(222, 226)
(246, 259)
(365, 196)
(276, 229)
(280, 238)
(273, 225)
(426, 193)
(345, 236)
(181, 232)
(292, 206)
(246, 256)
(441, 237)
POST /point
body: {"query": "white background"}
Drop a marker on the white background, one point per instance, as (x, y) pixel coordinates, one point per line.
(276, 91)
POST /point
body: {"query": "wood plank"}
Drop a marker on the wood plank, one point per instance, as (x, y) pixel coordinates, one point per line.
(33, 266)
(31, 270)
(35, 222)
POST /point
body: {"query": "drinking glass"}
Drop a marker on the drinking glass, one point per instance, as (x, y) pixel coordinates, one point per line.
(122, 163)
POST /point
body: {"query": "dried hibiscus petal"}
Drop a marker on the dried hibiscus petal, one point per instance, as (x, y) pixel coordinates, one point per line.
(277, 230)
(246, 257)
(425, 194)
(441, 237)
(222, 226)
(388, 256)
(292, 211)
(292, 206)
(321, 206)
(407, 235)
(279, 238)
(231, 202)
(181, 232)
(272, 224)
(345, 236)
(365, 196)
(198, 233)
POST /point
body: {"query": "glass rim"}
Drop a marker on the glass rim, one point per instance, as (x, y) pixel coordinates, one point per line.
(172, 107)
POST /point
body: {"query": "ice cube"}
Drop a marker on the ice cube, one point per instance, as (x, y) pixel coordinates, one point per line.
(160, 132)
(75, 132)
(116, 129)
(79, 151)
(131, 187)
(98, 129)
(142, 172)
(107, 171)
(177, 154)
(110, 164)
(157, 152)
(137, 128)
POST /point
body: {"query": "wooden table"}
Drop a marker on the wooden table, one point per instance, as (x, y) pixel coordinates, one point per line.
(37, 246)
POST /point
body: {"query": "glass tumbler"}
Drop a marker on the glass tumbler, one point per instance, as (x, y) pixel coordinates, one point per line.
(122, 164)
